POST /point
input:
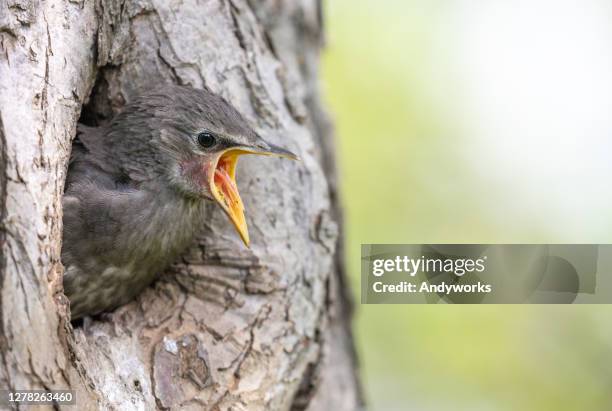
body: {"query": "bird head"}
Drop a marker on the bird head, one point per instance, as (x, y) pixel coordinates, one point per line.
(194, 139)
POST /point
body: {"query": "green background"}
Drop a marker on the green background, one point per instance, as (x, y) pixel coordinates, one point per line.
(407, 179)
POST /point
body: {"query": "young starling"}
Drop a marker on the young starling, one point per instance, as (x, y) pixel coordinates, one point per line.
(136, 190)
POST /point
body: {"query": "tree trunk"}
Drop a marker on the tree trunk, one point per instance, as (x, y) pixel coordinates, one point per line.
(226, 328)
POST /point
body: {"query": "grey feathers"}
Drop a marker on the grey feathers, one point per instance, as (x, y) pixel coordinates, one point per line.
(126, 212)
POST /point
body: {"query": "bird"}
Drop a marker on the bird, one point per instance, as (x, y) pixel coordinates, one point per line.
(136, 190)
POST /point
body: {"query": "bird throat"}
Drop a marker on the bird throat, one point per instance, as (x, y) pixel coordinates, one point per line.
(225, 191)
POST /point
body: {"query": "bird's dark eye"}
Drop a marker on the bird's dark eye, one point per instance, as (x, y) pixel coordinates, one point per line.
(206, 139)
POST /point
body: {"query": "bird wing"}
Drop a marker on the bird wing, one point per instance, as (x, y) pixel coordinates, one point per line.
(90, 160)
(83, 164)
(96, 198)
(96, 217)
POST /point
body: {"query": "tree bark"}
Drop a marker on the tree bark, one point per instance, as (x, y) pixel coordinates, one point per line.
(226, 328)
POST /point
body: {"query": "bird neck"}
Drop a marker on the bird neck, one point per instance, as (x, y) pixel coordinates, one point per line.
(167, 224)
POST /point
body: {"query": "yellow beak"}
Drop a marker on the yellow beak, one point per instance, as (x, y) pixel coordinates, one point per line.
(224, 188)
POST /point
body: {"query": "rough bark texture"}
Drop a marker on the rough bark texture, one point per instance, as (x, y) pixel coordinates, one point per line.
(227, 328)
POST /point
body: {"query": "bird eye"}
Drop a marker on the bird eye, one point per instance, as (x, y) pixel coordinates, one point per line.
(206, 139)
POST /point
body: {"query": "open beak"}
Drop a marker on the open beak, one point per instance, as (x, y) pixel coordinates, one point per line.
(223, 182)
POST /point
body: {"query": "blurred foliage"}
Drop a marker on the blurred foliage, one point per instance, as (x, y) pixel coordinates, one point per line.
(405, 181)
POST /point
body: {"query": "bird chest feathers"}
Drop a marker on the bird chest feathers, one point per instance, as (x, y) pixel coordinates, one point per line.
(118, 259)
